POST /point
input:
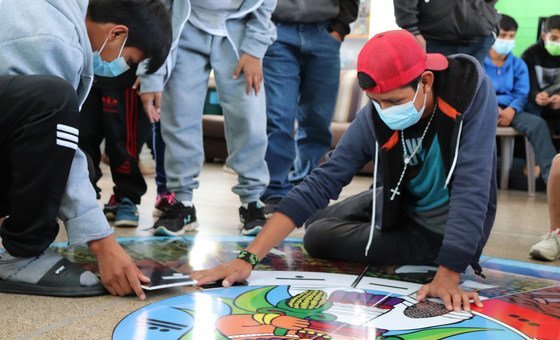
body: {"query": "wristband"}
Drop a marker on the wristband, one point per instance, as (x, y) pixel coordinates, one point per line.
(248, 257)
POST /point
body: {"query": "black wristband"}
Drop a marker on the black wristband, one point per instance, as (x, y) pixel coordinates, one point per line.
(248, 257)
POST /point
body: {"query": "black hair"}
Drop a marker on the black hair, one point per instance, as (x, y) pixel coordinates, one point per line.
(366, 82)
(148, 22)
(552, 23)
(508, 23)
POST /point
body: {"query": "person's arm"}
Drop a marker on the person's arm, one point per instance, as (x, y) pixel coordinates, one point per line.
(534, 87)
(406, 14)
(260, 33)
(278, 227)
(469, 199)
(21, 56)
(347, 15)
(352, 152)
(521, 88)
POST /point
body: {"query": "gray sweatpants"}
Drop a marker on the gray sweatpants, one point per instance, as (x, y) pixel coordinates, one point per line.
(181, 117)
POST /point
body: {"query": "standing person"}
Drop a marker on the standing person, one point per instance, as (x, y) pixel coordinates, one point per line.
(548, 249)
(543, 61)
(301, 75)
(113, 111)
(510, 78)
(450, 26)
(50, 37)
(229, 37)
(430, 129)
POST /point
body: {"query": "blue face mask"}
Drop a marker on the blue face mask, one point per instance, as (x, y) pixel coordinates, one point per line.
(503, 46)
(399, 117)
(109, 69)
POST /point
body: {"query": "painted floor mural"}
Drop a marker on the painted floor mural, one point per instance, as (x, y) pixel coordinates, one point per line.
(292, 296)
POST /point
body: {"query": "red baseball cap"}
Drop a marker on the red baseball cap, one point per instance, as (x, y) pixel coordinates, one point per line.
(395, 58)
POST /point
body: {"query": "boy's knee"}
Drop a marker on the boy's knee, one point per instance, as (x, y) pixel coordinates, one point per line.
(59, 94)
(314, 240)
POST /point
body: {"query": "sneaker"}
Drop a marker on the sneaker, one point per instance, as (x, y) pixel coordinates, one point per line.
(127, 214)
(252, 217)
(549, 248)
(163, 203)
(110, 209)
(270, 205)
(176, 220)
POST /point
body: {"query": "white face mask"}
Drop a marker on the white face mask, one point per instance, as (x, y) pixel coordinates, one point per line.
(399, 117)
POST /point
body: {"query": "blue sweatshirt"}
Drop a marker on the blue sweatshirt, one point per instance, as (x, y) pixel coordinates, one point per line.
(466, 132)
(511, 82)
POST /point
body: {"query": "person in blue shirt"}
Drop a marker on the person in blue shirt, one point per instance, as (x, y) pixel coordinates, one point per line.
(510, 77)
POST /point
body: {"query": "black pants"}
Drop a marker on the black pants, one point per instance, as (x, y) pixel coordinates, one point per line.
(38, 139)
(116, 115)
(341, 232)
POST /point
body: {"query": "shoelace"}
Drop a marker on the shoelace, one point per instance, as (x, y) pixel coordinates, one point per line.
(170, 198)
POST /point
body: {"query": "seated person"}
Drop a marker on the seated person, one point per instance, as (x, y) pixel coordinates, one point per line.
(548, 249)
(543, 61)
(47, 174)
(430, 129)
(511, 81)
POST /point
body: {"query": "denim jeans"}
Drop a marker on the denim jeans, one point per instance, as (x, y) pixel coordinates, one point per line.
(478, 49)
(301, 76)
(536, 130)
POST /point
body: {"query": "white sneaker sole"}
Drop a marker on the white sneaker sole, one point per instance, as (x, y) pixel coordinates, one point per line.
(126, 223)
(537, 254)
(163, 231)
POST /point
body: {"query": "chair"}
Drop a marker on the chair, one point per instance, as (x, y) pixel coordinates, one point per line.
(507, 137)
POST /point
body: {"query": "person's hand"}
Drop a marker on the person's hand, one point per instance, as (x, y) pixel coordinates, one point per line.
(505, 116)
(542, 98)
(445, 286)
(152, 103)
(421, 40)
(555, 102)
(136, 85)
(252, 70)
(231, 272)
(289, 322)
(118, 272)
(336, 35)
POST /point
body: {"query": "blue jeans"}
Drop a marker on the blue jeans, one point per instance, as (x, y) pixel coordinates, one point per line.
(158, 149)
(301, 76)
(478, 49)
(536, 130)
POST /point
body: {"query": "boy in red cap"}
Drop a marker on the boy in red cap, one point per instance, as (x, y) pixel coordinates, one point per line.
(430, 129)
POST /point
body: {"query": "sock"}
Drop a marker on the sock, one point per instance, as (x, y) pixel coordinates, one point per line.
(187, 203)
(32, 269)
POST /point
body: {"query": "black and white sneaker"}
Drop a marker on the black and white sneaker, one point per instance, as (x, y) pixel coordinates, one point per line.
(252, 217)
(176, 220)
(270, 205)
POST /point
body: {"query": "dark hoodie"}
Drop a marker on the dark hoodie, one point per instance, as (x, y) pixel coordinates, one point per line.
(341, 12)
(455, 21)
(465, 124)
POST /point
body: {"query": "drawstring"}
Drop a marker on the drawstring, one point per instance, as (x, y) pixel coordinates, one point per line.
(374, 198)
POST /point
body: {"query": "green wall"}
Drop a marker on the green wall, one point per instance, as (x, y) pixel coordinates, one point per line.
(527, 13)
